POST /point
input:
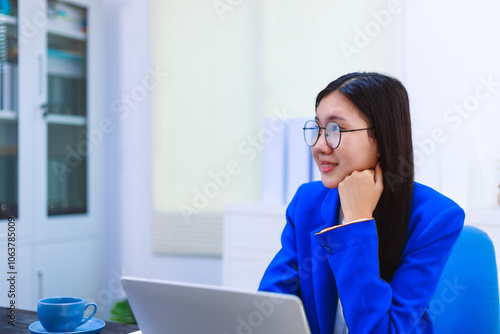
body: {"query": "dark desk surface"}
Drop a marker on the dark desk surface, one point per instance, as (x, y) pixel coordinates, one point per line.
(25, 318)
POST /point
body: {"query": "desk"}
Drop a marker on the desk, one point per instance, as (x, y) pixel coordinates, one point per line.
(25, 318)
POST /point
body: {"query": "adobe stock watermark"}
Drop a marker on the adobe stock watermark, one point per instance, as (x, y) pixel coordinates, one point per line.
(371, 30)
(222, 7)
(76, 156)
(453, 118)
(124, 105)
(248, 149)
(128, 102)
(30, 27)
(264, 309)
(309, 265)
(437, 305)
(39, 20)
(105, 295)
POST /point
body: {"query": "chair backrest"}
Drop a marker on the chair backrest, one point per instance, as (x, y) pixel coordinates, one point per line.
(467, 299)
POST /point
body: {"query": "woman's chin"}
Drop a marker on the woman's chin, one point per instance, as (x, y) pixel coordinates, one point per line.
(329, 182)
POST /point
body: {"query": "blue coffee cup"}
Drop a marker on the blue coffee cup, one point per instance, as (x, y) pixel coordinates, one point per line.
(63, 314)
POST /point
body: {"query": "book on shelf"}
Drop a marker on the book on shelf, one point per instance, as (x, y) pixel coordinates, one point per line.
(14, 80)
(66, 54)
(66, 16)
(8, 86)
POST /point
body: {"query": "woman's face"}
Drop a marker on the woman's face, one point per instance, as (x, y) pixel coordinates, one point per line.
(357, 150)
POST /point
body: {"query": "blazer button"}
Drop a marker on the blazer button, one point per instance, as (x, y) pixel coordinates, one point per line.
(327, 250)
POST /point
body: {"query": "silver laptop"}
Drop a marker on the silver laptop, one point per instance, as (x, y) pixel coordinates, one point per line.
(166, 307)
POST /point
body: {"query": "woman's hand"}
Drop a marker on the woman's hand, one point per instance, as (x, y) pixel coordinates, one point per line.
(360, 192)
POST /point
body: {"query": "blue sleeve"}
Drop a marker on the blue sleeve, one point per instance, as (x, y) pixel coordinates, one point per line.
(371, 305)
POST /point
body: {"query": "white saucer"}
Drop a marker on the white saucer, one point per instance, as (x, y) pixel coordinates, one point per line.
(93, 326)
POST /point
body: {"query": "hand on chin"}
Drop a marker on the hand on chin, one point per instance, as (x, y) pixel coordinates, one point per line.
(360, 192)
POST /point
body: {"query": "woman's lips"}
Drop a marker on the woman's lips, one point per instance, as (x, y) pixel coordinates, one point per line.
(326, 166)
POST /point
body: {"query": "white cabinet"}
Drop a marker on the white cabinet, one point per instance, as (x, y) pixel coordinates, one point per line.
(52, 130)
(252, 237)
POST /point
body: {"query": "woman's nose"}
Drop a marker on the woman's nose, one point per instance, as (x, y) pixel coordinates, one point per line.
(321, 144)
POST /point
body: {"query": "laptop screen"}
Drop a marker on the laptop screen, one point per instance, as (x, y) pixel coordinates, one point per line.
(176, 307)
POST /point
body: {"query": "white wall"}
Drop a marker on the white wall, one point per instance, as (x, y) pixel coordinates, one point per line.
(449, 54)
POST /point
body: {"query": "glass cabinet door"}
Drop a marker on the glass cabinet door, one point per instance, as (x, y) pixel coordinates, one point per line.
(66, 109)
(8, 109)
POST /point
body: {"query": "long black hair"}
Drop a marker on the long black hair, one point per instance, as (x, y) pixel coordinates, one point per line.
(383, 100)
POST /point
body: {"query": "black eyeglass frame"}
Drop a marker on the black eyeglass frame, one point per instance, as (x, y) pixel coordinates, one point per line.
(324, 129)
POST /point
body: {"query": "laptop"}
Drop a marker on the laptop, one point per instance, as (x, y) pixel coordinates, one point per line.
(168, 307)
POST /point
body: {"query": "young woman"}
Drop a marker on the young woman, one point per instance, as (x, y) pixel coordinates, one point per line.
(364, 248)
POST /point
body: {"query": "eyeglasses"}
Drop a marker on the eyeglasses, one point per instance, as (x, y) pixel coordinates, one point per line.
(312, 131)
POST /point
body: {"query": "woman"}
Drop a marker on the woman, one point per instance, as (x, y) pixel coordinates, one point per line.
(364, 248)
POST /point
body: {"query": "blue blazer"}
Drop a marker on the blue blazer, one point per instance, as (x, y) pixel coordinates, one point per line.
(344, 262)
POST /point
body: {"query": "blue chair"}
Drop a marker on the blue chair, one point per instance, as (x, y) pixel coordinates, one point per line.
(467, 299)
